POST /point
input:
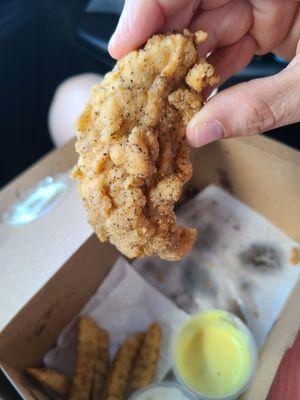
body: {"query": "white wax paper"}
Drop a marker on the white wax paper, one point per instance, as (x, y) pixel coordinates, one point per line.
(219, 272)
(125, 303)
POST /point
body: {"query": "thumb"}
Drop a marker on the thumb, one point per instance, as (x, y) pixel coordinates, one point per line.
(141, 19)
(249, 108)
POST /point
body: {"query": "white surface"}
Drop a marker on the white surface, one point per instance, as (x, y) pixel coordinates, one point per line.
(213, 274)
(124, 304)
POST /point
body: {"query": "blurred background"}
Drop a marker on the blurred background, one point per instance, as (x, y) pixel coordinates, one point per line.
(45, 42)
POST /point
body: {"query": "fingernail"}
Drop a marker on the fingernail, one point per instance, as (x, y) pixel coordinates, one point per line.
(199, 135)
(112, 40)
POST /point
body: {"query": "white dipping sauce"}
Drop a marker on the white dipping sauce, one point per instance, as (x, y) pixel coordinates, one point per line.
(163, 393)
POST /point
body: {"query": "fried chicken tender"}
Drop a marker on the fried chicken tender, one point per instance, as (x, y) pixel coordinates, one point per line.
(133, 156)
(121, 368)
(146, 362)
(50, 379)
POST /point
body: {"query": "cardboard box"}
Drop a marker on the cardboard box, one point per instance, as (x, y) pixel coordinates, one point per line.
(262, 173)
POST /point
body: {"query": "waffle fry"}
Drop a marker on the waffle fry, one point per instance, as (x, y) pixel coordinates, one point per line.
(146, 362)
(121, 368)
(88, 349)
(50, 379)
(101, 366)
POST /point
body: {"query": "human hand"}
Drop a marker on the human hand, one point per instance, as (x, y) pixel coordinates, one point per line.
(237, 30)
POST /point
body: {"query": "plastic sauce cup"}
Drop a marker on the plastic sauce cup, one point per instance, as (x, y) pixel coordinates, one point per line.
(214, 355)
(163, 391)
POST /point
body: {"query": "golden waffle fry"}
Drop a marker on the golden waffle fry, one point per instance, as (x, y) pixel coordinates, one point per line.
(146, 362)
(121, 368)
(50, 379)
(88, 347)
(101, 366)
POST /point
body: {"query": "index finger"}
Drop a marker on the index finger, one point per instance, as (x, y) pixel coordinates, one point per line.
(225, 24)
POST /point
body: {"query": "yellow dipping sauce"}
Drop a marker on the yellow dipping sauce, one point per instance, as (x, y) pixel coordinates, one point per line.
(214, 354)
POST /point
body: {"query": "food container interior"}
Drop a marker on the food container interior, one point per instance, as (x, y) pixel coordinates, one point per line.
(260, 172)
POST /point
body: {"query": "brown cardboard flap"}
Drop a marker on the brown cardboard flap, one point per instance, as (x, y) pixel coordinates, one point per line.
(262, 173)
(36, 327)
(26, 389)
(55, 162)
(281, 338)
(31, 254)
(267, 181)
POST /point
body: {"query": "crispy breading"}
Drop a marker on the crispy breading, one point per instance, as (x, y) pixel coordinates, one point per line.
(101, 366)
(133, 156)
(186, 101)
(201, 75)
(89, 338)
(295, 256)
(121, 368)
(146, 362)
(50, 379)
